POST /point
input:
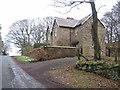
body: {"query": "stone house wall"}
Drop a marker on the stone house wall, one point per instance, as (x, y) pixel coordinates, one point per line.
(101, 36)
(60, 36)
(60, 51)
(64, 36)
(53, 34)
(85, 38)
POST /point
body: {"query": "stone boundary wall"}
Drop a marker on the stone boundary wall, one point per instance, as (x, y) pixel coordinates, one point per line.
(60, 51)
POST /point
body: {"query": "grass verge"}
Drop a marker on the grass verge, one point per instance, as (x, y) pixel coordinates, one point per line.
(23, 59)
(71, 77)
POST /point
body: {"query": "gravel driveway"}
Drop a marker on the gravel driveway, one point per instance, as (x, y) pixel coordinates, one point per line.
(39, 70)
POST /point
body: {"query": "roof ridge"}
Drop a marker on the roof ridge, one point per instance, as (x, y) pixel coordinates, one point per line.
(70, 22)
(81, 21)
(65, 22)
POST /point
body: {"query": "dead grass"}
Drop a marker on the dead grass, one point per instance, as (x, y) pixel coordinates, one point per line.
(71, 77)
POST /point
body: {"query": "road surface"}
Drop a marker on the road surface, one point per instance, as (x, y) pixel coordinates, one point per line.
(14, 77)
(40, 70)
(0, 73)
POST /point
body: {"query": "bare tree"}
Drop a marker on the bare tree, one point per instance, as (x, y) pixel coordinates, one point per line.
(38, 35)
(6, 47)
(116, 14)
(112, 22)
(94, 31)
(0, 27)
(0, 40)
(48, 24)
(20, 34)
(25, 33)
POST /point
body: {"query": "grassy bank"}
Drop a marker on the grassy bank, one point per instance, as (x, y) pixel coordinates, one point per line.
(23, 59)
(71, 77)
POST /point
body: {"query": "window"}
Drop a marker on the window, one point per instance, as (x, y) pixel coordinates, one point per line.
(55, 32)
(76, 32)
(92, 45)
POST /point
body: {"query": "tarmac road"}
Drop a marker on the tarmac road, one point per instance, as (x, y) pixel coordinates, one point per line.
(0, 73)
(14, 77)
(40, 70)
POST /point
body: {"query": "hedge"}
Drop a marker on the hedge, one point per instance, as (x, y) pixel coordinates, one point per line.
(110, 71)
(38, 45)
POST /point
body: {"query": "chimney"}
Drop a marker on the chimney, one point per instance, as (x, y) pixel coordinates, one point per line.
(70, 18)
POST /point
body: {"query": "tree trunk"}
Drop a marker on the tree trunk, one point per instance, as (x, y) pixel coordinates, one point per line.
(47, 32)
(94, 31)
(111, 34)
(22, 52)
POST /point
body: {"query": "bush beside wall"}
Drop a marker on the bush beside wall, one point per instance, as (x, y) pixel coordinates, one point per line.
(38, 45)
(38, 54)
(47, 53)
(110, 71)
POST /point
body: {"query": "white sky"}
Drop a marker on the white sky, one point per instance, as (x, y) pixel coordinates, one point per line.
(12, 10)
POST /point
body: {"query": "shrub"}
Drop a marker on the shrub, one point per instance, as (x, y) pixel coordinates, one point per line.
(23, 59)
(38, 45)
(111, 71)
(38, 54)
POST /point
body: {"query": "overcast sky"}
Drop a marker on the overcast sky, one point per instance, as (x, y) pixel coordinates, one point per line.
(12, 10)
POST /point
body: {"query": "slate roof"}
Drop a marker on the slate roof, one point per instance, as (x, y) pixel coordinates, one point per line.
(65, 22)
(83, 20)
(70, 22)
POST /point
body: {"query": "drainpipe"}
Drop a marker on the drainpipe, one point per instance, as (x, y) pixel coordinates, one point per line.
(70, 37)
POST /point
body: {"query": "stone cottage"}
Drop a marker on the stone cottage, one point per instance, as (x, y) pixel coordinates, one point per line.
(76, 33)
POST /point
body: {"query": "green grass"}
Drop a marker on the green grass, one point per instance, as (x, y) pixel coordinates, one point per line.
(24, 59)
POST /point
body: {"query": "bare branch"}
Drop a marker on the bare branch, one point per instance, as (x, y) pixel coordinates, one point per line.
(71, 4)
(100, 8)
